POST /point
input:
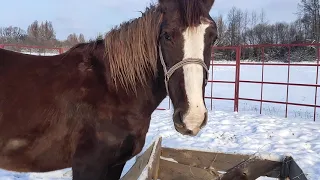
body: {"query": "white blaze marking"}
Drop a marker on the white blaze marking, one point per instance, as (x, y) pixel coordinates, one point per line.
(193, 77)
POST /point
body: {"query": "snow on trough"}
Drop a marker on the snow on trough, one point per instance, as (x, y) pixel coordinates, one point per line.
(246, 132)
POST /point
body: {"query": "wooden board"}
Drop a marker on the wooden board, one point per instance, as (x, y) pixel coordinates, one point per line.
(154, 161)
(254, 168)
(219, 161)
(143, 160)
(181, 164)
(175, 171)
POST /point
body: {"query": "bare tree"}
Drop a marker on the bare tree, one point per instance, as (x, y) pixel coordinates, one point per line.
(46, 33)
(12, 35)
(33, 32)
(221, 30)
(309, 11)
(234, 26)
(72, 39)
(81, 38)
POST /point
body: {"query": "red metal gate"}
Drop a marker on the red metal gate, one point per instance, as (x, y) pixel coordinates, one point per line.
(263, 63)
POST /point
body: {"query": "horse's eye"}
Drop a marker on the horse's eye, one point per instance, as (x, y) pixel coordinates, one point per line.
(167, 36)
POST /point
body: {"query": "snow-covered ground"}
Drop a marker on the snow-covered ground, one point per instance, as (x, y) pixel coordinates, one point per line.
(245, 132)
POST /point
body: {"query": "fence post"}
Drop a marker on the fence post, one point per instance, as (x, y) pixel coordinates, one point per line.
(237, 79)
(317, 80)
(60, 50)
(211, 83)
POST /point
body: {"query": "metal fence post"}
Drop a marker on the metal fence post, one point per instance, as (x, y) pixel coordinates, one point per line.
(237, 79)
(60, 50)
(317, 81)
(211, 83)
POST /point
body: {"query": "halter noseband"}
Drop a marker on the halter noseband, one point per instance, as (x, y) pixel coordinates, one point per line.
(168, 73)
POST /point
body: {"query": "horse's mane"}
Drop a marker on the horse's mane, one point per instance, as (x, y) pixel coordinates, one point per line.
(131, 49)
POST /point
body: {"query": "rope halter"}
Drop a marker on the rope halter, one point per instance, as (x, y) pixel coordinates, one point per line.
(168, 73)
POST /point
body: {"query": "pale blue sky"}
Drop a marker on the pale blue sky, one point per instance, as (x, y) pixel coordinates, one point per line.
(94, 16)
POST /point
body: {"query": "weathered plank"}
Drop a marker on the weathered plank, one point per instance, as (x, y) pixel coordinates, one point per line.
(176, 164)
(174, 171)
(143, 160)
(252, 168)
(201, 159)
(224, 162)
(152, 167)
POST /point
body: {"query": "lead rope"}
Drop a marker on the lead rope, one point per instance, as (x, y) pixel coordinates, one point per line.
(168, 73)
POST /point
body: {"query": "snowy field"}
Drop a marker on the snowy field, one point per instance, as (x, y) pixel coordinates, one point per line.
(246, 132)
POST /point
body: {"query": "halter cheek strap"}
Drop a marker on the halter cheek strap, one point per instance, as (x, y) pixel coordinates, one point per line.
(168, 73)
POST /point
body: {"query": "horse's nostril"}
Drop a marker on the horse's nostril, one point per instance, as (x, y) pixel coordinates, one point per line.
(178, 120)
(188, 132)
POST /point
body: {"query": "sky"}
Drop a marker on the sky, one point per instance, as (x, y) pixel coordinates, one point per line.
(99, 16)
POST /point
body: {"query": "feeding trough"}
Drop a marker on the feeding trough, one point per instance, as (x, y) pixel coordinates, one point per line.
(164, 163)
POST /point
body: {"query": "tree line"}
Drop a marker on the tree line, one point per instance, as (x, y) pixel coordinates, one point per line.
(37, 34)
(246, 28)
(243, 27)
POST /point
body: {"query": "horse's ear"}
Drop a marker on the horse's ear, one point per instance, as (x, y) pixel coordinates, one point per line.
(165, 4)
(208, 4)
(161, 2)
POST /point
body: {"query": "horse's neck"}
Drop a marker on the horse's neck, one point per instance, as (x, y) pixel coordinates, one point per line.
(158, 86)
(152, 95)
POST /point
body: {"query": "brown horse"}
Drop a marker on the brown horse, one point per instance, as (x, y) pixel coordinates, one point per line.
(90, 107)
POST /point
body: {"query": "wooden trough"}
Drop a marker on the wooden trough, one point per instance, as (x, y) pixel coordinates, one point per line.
(180, 164)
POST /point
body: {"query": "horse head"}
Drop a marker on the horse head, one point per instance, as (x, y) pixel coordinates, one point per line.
(187, 33)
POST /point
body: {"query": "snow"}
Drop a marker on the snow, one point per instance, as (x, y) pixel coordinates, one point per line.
(247, 132)
(41, 54)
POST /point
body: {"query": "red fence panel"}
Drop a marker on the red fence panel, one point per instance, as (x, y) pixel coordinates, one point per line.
(294, 54)
(233, 53)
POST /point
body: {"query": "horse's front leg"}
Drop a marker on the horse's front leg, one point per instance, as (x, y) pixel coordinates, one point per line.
(95, 171)
(115, 172)
(101, 154)
(90, 165)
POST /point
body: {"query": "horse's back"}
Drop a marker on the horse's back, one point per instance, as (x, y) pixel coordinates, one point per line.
(37, 94)
(30, 86)
(11, 59)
